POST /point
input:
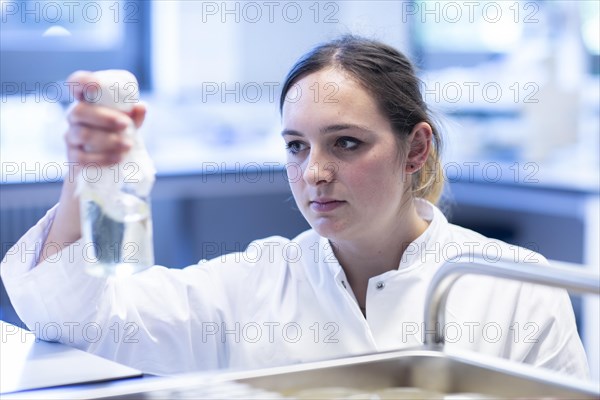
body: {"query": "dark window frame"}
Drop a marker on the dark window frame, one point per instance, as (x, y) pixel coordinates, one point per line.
(29, 69)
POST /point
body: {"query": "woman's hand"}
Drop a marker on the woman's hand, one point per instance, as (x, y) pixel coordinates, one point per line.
(96, 134)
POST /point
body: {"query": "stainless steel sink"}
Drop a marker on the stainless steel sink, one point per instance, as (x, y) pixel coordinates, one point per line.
(429, 370)
(425, 369)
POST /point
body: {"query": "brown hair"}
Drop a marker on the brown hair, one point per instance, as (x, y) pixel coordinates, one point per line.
(390, 78)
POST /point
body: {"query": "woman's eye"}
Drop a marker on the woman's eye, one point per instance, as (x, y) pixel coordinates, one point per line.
(348, 143)
(295, 147)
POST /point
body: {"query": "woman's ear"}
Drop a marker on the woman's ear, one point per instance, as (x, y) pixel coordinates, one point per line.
(419, 145)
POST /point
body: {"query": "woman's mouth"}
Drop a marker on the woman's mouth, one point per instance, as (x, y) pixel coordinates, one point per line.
(325, 205)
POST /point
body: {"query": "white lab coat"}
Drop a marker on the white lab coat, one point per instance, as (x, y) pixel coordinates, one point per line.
(286, 301)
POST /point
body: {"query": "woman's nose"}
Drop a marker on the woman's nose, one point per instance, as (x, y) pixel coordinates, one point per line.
(319, 169)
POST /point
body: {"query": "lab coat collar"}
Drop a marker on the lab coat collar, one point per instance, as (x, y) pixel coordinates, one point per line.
(412, 259)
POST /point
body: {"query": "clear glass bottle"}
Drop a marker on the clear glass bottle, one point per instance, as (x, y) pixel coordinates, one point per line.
(116, 217)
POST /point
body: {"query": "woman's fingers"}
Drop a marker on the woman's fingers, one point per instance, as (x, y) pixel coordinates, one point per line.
(83, 158)
(84, 86)
(79, 82)
(92, 140)
(138, 114)
(101, 117)
(85, 145)
(97, 134)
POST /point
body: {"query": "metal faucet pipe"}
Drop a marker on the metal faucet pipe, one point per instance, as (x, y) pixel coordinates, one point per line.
(441, 283)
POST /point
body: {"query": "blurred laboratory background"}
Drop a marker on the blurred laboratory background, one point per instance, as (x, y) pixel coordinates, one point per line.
(514, 85)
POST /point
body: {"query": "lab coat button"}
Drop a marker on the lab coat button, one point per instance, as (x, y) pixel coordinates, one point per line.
(380, 285)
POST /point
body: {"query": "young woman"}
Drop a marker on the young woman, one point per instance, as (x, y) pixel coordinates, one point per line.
(363, 152)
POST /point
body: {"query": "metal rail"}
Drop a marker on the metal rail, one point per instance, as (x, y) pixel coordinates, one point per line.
(451, 271)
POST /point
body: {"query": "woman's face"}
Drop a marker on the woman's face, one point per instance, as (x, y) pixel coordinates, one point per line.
(344, 166)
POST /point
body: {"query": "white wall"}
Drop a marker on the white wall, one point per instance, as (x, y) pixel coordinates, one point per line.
(197, 42)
